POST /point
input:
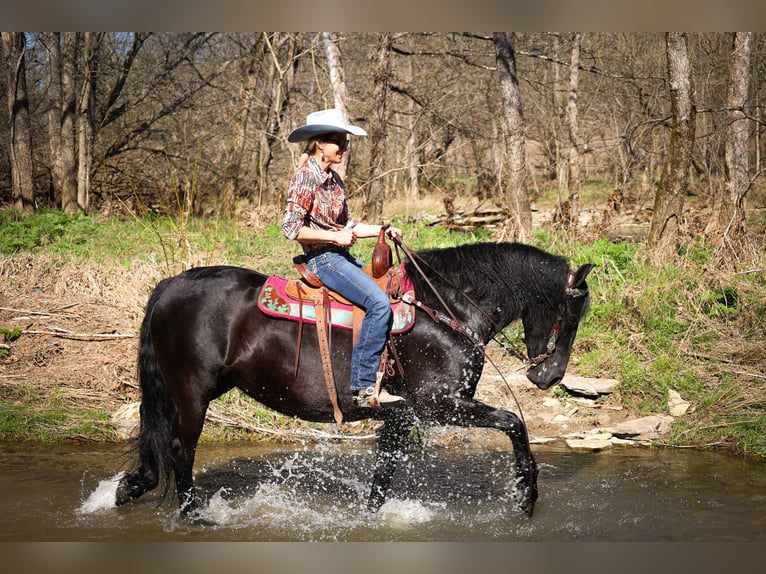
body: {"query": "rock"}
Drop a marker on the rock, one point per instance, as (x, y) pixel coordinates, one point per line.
(126, 420)
(589, 387)
(626, 442)
(594, 442)
(677, 406)
(645, 428)
(590, 403)
(542, 439)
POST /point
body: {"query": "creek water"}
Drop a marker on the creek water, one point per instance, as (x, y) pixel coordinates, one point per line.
(317, 492)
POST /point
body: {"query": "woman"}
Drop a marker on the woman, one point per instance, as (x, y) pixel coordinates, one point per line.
(317, 217)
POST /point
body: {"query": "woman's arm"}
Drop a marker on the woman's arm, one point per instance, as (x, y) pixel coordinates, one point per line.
(343, 238)
(367, 230)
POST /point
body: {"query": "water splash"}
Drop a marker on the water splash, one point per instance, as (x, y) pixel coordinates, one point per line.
(104, 497)
(404, 514)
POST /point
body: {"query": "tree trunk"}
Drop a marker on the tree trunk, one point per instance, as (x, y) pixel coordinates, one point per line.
(669, 198)
(52, 42)
(281, 78)
(86, 122)
(516, 194)
(338, 82)
(20, 148)
(373, 208)
(413, 156)
(727, 225)
(68, 107)
(413, 150)
(575, 145)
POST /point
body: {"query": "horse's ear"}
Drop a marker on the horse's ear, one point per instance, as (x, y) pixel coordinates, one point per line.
(581, 274)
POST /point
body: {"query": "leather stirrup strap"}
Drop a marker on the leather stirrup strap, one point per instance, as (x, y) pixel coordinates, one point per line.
(379, 378)
(322, 307)
(300, 330)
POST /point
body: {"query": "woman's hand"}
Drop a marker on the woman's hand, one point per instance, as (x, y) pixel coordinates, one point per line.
(344, 237)
(394, 233)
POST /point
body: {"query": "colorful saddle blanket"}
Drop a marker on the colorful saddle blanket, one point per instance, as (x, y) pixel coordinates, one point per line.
(275, 301)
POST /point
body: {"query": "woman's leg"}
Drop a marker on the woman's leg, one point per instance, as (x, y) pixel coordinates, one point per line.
(343, 274)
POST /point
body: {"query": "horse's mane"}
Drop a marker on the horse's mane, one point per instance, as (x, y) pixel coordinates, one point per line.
(517, 276)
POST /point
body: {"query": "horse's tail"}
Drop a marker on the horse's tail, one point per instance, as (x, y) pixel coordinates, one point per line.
(158, 413)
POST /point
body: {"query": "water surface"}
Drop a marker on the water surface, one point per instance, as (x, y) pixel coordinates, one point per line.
(317, 492)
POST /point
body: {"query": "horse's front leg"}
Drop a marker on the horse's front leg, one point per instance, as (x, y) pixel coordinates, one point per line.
(391, 443)
(471, 413)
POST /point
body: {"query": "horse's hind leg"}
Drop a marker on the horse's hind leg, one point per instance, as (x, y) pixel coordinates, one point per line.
(190, 420)
(391, 443)
(134, 485)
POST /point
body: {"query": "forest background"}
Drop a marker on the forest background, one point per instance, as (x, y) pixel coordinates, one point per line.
(643, 151)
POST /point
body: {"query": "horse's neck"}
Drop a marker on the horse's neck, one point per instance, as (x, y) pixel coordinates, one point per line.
(472, 303)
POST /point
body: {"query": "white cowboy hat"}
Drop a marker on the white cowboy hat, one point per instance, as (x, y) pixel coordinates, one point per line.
(323, 122)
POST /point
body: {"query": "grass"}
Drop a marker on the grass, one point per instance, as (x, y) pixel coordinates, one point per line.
(681, 326)
(48, 423)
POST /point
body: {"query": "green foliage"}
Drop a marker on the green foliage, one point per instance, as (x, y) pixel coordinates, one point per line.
(52, 423)
(10, 335)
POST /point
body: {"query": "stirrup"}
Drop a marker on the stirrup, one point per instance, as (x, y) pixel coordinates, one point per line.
(368, 398)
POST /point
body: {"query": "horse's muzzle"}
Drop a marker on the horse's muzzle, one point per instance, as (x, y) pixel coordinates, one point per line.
(544, 377)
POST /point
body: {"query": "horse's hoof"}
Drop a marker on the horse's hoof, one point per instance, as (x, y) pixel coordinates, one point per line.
(528, 507)
(122, 494)
(195, 519)
(374, 503)
(528, 494)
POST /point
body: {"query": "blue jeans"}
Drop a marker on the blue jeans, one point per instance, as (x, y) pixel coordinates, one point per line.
(342, 273)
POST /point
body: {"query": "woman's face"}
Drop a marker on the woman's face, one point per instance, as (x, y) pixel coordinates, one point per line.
(333, 147)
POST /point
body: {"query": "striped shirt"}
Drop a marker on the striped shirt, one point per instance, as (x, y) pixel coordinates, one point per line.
(315, 198)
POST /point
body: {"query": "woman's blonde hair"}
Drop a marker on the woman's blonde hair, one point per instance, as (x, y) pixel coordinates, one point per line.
(309, 149)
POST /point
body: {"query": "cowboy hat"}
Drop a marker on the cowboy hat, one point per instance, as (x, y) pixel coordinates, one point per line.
(323, 122)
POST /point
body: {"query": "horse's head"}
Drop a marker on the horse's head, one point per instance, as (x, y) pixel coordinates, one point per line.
(549, 345)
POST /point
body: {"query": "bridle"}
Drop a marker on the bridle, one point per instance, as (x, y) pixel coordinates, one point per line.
(553, 336)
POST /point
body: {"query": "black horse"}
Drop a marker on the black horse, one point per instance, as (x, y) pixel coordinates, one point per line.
(203, 335)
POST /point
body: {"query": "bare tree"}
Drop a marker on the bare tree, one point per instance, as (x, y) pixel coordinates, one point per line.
(373, 206)
(727, 224)
(67, 106)
(669, 197)
(52, 45)
(413, 151)
(86, 119)
(177, 107)
(516, 194)
(338, 82)
(575, 147)
(14, 48)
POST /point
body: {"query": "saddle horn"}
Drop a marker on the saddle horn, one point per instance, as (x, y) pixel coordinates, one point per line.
(381, 255)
